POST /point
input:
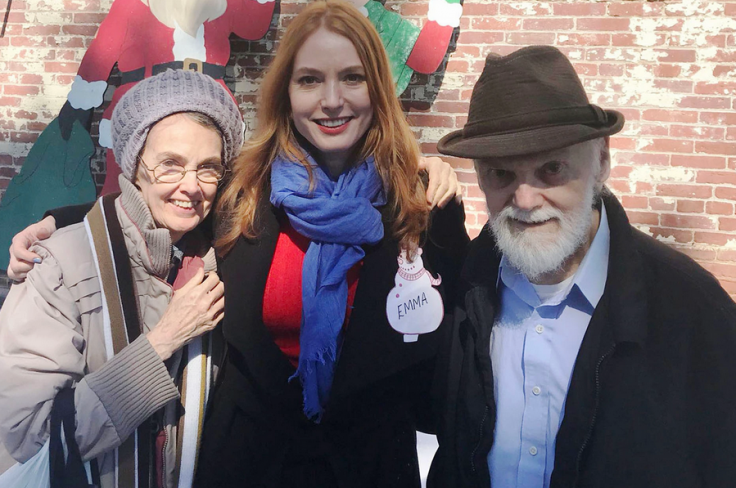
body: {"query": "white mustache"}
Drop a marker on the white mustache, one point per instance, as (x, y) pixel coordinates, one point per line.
(535, 216)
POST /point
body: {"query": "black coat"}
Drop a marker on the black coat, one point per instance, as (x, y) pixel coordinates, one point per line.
(256, 434)
(652, 400)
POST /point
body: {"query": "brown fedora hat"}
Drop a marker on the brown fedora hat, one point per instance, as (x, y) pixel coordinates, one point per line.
(528, 102)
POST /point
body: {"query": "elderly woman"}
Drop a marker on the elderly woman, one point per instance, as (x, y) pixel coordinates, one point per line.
(335, 283)
(112, 327)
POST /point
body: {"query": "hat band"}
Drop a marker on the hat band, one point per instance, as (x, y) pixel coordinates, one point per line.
(590, 114)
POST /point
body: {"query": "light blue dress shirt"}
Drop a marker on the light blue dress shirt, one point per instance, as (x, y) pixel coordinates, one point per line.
(533, 350)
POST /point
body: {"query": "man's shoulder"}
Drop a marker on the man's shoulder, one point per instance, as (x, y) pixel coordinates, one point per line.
(447, 227)
(677, 275)
(482, 245)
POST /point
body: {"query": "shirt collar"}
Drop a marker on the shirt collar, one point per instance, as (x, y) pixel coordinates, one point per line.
(590, 277)
(589, 281)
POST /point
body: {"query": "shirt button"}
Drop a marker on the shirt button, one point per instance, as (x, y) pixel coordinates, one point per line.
(536, 390)
(539, 329)
(533, 451)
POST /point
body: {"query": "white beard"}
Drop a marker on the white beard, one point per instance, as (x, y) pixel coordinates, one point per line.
(188, 14)
(535, 253)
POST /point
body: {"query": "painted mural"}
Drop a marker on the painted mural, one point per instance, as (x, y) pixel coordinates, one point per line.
(145, 37)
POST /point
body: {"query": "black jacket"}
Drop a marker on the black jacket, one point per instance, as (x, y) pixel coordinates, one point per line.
(652, 400)
(256, 435)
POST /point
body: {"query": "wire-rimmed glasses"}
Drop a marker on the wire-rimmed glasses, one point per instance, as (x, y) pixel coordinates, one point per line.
(170, 171)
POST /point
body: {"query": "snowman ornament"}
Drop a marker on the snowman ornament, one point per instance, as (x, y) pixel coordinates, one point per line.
(414, 306)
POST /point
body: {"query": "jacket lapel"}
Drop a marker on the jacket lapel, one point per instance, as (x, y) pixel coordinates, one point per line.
(620, 317)
(245, 271)
(481, 273)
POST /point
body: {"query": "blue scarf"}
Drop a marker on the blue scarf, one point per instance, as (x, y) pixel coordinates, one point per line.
(338, 217)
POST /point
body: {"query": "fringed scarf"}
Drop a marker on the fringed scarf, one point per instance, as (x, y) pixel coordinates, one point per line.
(339, 217)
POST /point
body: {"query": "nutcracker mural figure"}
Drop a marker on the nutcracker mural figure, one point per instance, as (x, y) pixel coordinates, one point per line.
(144, 38)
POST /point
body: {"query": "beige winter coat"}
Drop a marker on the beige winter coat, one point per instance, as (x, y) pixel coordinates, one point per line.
(51, 337)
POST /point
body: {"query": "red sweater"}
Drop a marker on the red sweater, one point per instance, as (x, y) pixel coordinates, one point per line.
(282, 298)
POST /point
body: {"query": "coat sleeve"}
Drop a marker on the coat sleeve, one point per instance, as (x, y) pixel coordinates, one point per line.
(43, 350)
(71, 214)
(445, 248)
(447, 244)
(712, 390)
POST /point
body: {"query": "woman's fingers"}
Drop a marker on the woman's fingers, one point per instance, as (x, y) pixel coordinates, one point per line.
(453, 191)
(22, 259)
(211, 281)
(440, 196)
(216, 294)
(443, 184)
(217, 310)
(18, 268)
(196, 308)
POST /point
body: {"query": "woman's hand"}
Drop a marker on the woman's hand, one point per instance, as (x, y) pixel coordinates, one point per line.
(195, 308)
(443, 185)
(21, 259)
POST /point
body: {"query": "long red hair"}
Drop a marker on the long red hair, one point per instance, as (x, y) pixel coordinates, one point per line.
(389, 139)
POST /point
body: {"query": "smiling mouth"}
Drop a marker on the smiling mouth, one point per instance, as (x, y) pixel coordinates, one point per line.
(524, 224)
(333, 123)
(185, 204)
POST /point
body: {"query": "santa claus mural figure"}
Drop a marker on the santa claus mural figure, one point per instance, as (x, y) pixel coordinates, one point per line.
(146, 37)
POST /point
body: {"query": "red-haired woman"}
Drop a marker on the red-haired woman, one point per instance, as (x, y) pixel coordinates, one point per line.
(335, 281)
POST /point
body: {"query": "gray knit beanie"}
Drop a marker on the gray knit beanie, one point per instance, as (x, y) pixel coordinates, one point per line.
(165, 94)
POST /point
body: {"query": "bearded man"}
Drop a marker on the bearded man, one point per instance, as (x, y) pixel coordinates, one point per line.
(584, 352)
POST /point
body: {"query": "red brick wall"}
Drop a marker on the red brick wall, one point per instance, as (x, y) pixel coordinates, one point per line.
(670, 67)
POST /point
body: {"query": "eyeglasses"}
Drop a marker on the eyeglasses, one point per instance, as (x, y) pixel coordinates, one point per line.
(170, 171)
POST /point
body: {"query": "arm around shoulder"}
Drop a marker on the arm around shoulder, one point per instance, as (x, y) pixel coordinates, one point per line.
(447, 228)
(72, 214)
